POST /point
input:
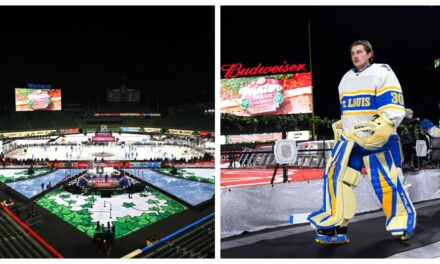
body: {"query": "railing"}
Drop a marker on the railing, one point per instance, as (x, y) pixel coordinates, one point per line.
(161, 241)
(315, 158)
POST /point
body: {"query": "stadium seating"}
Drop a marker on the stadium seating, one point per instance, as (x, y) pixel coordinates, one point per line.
(16, 123)
(197, 243)
(16, 243)
(61, 120)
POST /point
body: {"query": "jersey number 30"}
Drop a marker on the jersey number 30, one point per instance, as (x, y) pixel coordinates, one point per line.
(397, 98)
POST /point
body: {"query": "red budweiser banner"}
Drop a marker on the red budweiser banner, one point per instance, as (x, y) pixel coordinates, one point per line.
(237, 70)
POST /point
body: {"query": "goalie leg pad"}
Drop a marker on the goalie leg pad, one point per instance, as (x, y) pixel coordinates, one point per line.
(352, 177)
(400, 212)
(339, 202)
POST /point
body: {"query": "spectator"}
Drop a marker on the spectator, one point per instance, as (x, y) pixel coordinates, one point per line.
(105, 248)
(31, 170)
(430, 128)
(433, 132)
(407, 133)
(173, 170)
(231, 158)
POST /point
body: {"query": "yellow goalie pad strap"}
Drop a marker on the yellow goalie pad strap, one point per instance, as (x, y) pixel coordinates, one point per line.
(337, 129)
(351, 177)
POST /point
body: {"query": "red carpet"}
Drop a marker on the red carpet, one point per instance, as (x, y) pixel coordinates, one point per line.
(249, 177)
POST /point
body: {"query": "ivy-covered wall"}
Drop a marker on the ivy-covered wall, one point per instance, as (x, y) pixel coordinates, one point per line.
(234, 125)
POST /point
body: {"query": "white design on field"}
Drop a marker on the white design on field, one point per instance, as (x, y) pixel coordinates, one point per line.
(102, 214)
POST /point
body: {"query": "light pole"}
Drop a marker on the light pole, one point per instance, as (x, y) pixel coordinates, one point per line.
(110, 208)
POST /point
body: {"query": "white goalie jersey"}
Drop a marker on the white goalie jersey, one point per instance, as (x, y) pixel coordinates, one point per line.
(372, 91)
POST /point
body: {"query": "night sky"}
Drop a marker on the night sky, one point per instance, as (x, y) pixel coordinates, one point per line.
(167, 52)
(406, 38)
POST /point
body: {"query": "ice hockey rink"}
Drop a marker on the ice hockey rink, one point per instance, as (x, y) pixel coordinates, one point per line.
(127, 147)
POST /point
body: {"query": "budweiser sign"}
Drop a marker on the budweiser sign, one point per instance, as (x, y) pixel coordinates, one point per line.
(263, 95)
(237, 69)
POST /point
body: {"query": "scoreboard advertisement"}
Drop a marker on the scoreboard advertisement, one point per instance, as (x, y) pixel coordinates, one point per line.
(37, 99)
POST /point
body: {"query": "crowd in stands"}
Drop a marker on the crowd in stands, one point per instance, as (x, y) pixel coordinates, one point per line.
(206, 157)
(22, 162)
(172, 140)
(13, 145)
(413, 133)
(182, 141)
(43, 162)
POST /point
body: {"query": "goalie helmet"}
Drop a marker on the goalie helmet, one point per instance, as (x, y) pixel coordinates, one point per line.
(372, 134)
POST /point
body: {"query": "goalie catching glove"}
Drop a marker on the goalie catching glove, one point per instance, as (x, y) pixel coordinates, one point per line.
(373, 134)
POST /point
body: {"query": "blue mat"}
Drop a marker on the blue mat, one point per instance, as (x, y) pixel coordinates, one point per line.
(191, 192)
(31, 187)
